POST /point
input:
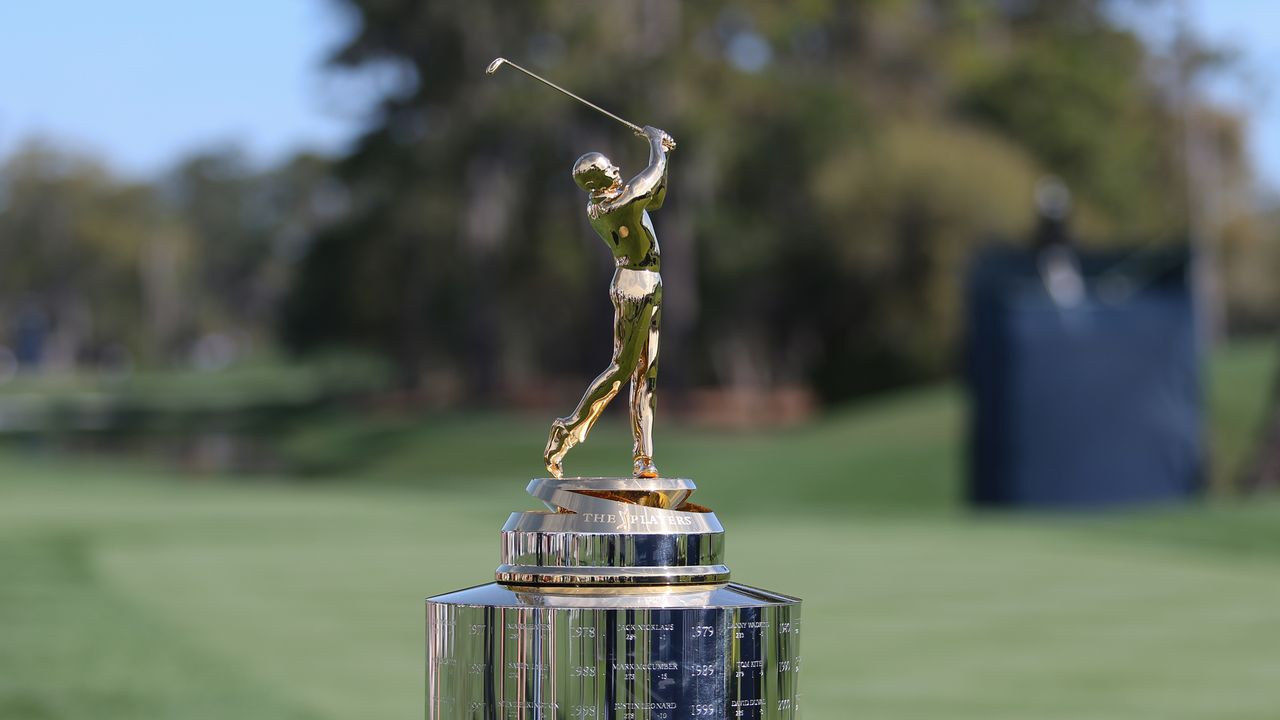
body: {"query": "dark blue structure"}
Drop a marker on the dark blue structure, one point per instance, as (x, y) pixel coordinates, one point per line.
(1089, 403)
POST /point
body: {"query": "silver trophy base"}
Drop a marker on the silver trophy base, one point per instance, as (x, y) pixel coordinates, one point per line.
(506, 652)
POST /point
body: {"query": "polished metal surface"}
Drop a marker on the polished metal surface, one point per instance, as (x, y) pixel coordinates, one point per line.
(666, 493)
(614, 602)
(609, 521)
(716, 652)
(610, 549)
(619, 213)
(606, 576)
(596, 532)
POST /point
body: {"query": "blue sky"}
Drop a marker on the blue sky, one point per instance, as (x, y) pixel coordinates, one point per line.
(1252, 88)
(140, 82)
(1254, 26)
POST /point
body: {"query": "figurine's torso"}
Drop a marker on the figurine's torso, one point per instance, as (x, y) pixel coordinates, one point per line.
(628, 233)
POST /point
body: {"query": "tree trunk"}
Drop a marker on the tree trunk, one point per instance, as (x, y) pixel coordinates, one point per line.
(1264, 472)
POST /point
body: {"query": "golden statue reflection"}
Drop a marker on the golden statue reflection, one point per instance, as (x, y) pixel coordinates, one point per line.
(619, 214)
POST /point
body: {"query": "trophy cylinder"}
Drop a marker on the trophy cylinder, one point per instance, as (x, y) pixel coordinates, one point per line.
(606, 609)
(505, 653)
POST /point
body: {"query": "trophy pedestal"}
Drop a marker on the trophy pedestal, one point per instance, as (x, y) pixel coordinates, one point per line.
(607, 609)
(724, 651)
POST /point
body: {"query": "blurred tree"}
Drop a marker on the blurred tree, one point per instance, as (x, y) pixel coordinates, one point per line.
(1263, 470)
(72, 241)
(1077, 92)
(837, 164)
(248, 227)
(98, 271)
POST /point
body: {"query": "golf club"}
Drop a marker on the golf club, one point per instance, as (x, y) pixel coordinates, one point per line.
(499, 62)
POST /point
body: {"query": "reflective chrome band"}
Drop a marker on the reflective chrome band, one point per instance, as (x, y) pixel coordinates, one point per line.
(675, 490)
(544, 575)
(603, 539)
(576, 549)
(617, 518)
(609, 483)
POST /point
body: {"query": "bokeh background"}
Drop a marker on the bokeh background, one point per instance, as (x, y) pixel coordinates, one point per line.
(290, 291)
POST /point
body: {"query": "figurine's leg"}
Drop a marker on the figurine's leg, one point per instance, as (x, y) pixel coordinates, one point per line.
(629, 333)
(644, 383)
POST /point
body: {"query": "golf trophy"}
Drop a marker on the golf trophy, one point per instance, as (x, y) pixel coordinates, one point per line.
(614, 602)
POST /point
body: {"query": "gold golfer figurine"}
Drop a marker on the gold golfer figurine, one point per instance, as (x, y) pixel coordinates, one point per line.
(619, 214)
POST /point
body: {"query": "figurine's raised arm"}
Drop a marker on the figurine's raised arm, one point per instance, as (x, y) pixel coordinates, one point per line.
(650, 185)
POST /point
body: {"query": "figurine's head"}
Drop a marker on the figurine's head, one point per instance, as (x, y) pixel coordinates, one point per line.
(594, 173)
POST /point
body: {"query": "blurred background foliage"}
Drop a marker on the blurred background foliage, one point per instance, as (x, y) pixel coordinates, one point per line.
(826, 180)
(378, 321)
(839, 163)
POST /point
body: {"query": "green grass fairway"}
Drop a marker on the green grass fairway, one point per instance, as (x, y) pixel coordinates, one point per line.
(129, 593)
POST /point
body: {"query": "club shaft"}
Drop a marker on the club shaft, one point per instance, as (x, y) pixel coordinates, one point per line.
(588, 103)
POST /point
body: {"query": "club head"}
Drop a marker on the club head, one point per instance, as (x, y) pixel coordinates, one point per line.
(493, 66)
